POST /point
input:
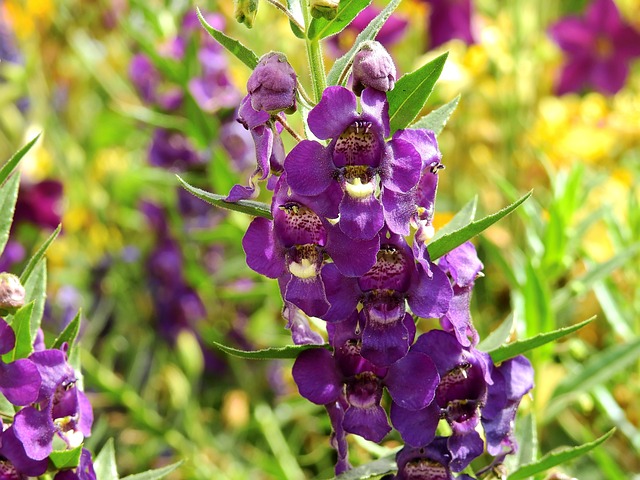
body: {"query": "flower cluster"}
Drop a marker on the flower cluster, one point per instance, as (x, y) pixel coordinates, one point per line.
(54, 413)
(340, 245)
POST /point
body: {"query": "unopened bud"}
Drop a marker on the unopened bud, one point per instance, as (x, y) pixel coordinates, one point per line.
(272, 85)
(11, 293)
(324, 9)
(373, 67)
(245, 11)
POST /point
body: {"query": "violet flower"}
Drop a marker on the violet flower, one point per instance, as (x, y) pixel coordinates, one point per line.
(460, 395)
(19, 380)
(173, 151)
(358, 159)
(213, 89)
(39, 203)
(449, 19)
(322, 378)
(272, 84)
(599, 47)
(430, 462)
(383, 292)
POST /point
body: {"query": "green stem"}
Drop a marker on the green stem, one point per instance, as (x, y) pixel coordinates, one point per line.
(314, 54)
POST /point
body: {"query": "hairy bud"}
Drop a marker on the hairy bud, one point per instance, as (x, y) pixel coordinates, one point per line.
(11, 293)
(373, 67)
(272, 85)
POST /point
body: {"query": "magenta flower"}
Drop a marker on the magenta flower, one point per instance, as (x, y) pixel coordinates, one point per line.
(450, 19)
(599, 47)
(39, 203)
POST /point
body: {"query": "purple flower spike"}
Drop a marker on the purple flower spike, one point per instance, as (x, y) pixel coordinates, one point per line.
(272, 85)
(599, 48)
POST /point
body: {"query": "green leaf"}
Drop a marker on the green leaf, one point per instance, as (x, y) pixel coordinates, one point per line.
(36, 291)
(347, 11)
(8, 197)
(338, 73)
(514, 349)
(250, 207)
(295, 8)
(6, 407)
(556, 458)
(500, 335)
(465, 216)
(290, 351)
(105, 463)
(12, 163)
(69, 334)
(377, 467)
(20, 324)
(448, 242)
(438, 118)
(33, 261)
(245, 55)
(62, 459)
(154, 474)
(411, 92)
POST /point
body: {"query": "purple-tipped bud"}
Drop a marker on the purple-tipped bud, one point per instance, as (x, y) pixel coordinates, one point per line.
(245, 11)
(373, 67)
(272, 85)
(324, 9)
(11, 292)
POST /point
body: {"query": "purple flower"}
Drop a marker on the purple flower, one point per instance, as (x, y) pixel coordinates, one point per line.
(461, 393)
(19, 380)
(39, 203)
(395, 278)
(173, 151)
(238, 143)
(323, 378)
(213, 89)
(463, 266)
(512, 380)
(13, 253)
(291, 248)
(298, 324)
(599, 47)
(373, 67)
(449, 19)
(272, 84)
(430, 462)
(84, 470)
(148, 82)
(358, 159)
(268, 147)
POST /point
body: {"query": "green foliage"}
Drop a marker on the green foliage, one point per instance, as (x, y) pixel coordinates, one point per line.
(411, 92)
(36, 291)
(20, 324)
(62, 459)
(289, 351)
(12, 163)
(372, 469)
(8, 197)
(437, 119)
(347, 11)
(449, 241)
(556, 458)
(39, 255)
(69, 334)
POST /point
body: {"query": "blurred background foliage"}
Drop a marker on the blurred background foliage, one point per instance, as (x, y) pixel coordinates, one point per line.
(160, 275)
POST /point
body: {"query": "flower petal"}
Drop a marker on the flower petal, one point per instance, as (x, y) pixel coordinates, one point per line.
(309, 168)
(315, 373)
(335, 112)
(264, 255)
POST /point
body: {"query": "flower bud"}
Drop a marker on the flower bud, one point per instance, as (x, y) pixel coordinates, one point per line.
(373, 67)
(245, 11)
(11, 293)
(324, 9)
(272, 85)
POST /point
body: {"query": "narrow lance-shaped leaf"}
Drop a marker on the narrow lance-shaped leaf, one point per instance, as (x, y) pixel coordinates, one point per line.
(347, 11)
(154, 474)
(411, 92)
(36, 289)
(12, 163)
(64, 459)
(295, 9)
(438, 118)
(497, 337)
(290, 351)
(8, 198)
(448, 242)
(250, 207)
(519, 347)
(33, 261)
(69, 334)
(338, 73)
(20, 324)
(465, 216)
(105, 463)
(245, 55)
(553, 459)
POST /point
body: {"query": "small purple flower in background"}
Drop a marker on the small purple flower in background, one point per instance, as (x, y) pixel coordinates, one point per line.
(39, 203)
(449, 19)
(599, 47)
(238, 143)
(173, 151)
(13, 253)
(213, 89)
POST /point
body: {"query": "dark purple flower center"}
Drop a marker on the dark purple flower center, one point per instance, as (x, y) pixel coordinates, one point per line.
(357, 145)
(425, 469)
(364, 390)
(453, 394)
(390, 271)
(305, 261)
(384, 307)
(9, 472)
(299, 225)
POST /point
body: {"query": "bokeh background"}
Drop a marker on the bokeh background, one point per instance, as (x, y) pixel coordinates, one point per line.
(127, 93)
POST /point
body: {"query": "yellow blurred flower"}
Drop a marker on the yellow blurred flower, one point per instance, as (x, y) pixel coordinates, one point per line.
(25, 15)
